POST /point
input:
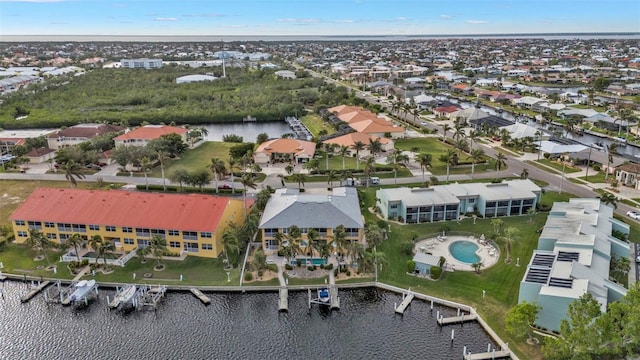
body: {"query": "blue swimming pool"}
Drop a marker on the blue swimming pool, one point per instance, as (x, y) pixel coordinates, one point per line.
(314, 261)
(464, 251)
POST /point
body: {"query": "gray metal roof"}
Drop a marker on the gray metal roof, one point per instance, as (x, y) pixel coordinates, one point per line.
(288, 207)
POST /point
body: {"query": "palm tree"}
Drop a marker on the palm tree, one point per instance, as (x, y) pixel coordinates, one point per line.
(609, 199)
(158, 246)
(449, 158)
(229, 242)
(259, 261)
(218, 168)
(162, 157)
(142, 253)
(95, 242)
(328, 148)
(75, 240)
(105, 248)
(476, 155)
(445, 128)
(232, 167)
(509, 234)
(300, 179)
(539, 135)
(369, 167)
(611, 149)
(425, 162)
(145, 165)
(358, 146)
(343, 152)
(331, 176)
(314, 240)
(38, 241)
(339, 238)
(72, 171)
(500, 162)
(374, 146)
(473, 136)
(374, 235)
(524, 174)
(289, 169)
(247, 181)
(459, 131)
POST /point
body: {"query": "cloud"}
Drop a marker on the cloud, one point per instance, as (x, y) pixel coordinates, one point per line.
(58, 23)
(401, 18)
(446, 17)
(204, 15)
(238, 26)
(348, 21)
(300, 20)
(165, 19)
(476, 22)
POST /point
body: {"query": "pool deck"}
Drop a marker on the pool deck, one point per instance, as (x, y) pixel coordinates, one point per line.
(441, 248)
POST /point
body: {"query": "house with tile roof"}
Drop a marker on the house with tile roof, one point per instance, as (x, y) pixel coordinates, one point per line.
(330, 209)
(190, 223)
(349, 140)
(284, 150)
(628, 174)
(77, 134)
(142, 135)
(365, 121)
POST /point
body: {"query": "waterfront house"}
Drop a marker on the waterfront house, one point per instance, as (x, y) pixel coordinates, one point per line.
(77, 134)
(323, 211)
(365, 121)
(573, 257)
(350, 139)
(142, 135)
(281, 150)
(449, 202)
(190, 223)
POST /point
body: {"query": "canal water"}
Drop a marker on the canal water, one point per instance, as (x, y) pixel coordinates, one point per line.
(234, 326)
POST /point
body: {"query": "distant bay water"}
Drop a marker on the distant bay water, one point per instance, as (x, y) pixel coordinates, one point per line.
(294, 38)
(234, 326)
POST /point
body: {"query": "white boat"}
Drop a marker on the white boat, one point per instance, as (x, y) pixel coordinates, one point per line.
(126, 294)
(323, 295)
(82, 288)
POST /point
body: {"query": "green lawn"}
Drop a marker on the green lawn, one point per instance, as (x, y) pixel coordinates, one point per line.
(558, 166)
(596, 178)
(315, 123)
(311, 281)
(197, 158)
(436, 148)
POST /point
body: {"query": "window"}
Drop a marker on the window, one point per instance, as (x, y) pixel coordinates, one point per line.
(22, 234)
(64, 227)
(471, 200)
(110, 228)
(393, 206)
(272, 244)
(174, 232)
(51, 236)
(79, 228)
(49, 224)
(304, 230)
(158, 232)
(190, 247)
(190, 235)
(129, 241)
(503, 203)
(94, 227)
(143, 232)
(143, 243)
(35, 225)
(174, 244)
(206, 235)
(64, 237)
(207, 247)
(20, 222)
(270, 232)
(126, 229)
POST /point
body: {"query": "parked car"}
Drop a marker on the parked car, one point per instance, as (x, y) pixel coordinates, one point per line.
(224, 186)
(634, 215)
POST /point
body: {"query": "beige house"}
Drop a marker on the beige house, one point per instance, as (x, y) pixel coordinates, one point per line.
(284, 150)
(142, 135)
(349, 140)
(77, 134)
(628, 174)
(40, 155)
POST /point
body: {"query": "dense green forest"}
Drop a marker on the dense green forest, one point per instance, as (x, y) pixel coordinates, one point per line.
(134, 96)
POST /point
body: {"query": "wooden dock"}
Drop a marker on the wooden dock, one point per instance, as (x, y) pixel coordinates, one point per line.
(335, 300)
(283, 304)
(498, 354)
(202, 297)
(406, 300)
(28, 296)
(457, 319)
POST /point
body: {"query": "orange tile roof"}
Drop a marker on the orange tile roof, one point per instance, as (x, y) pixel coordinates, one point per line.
(373, 126)
(351, 138)
(287, 146)
(343, 109)
(150, 132)
(192, 212)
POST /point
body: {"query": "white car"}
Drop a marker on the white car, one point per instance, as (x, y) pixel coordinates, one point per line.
(634, 215)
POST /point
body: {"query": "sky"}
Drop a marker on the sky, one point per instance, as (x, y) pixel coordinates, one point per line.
(315, 17)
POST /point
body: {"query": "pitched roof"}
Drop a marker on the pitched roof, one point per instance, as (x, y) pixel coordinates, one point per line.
(39, 152)
(122, 208)
(376, 126)
(629, 167)
(150, 132)
(287, 146)
(351, 138)
(86, 131)
(288, 207)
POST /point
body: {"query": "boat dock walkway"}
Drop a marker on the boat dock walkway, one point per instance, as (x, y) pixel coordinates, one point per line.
(283, 302)
(406, 300)
(2, 277)
(498, 354)
(457, 319)
(202, 297)
(333, 291)
(34, 291)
